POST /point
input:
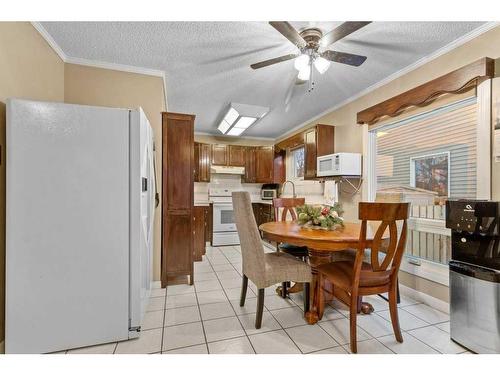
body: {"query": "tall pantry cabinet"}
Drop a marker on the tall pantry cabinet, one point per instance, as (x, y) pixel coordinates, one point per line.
(177, 207)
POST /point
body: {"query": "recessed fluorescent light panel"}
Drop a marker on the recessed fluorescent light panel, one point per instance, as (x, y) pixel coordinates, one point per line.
(240, 117)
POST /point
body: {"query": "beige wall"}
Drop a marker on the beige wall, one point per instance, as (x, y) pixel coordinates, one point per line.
(349, 135)
(30, 69)
(111, 88)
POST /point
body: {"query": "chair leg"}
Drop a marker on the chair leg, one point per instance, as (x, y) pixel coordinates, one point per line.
(393, 309)
(353, 314)
(284, 289)
(320, 297)
(244, 286)
(307, 296)
(260, 309)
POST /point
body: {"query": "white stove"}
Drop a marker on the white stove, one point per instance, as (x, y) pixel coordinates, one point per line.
(224, 226)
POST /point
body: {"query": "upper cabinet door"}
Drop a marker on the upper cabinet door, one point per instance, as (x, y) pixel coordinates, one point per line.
(237, 156)
(205, 151)
(310, 154)
(249, 165)
(202, 162)
(220, 155)
(325, 140)
(264, 160)
(178, 163)
(197, 161)
(318, 141)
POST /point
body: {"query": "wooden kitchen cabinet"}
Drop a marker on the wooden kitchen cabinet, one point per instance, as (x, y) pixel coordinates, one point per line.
(177, 202)
(264, 164)
(279, 167)
(220, 155)
(202, 227)
(202, 162)
(263, 212)
(318, 141)
(208, 223)
(236, 156)
(199, 226)
(249, 176)
(228, 155)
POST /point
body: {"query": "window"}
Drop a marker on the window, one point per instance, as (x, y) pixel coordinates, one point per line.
(297, 156)
(426, 159)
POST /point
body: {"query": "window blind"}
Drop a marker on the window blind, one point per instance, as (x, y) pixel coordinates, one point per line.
(450, 130)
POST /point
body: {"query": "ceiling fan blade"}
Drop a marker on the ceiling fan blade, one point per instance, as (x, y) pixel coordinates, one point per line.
(344, 58)
(276, 60)
(289, 32)
(341, 32)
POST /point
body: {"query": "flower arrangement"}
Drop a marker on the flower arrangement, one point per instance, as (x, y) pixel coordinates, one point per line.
(321, 217)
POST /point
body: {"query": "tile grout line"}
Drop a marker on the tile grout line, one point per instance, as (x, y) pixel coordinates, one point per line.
(201, 318)
(284, 330)
(239, 321)
(163, 322)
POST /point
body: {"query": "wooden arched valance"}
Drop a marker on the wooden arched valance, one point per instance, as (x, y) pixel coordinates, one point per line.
(456, 82)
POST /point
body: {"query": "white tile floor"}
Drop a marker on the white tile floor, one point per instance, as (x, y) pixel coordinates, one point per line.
(206, 318)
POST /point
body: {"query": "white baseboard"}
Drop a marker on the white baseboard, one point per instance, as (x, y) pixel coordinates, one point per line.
(425, 298)
(156, 284)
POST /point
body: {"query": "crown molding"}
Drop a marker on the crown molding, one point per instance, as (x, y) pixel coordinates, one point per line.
(100, 64)
(113, 66)
(424, 60)
(51, 42)
(235, 137)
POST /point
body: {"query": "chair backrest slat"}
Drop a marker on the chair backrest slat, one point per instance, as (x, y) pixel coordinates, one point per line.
(288, 205)
(388, 214)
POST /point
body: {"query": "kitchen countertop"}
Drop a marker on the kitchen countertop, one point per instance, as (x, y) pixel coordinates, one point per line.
(205, 203)
(313, 199)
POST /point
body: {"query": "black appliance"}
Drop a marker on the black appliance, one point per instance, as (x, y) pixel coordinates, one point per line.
(475, 274)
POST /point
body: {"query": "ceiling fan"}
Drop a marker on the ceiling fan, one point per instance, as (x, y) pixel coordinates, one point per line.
(312, 44)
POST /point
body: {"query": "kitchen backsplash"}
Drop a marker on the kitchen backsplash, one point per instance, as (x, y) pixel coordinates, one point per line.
(311, 190)
(223, 181)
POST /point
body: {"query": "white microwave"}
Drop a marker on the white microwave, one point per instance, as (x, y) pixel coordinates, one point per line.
(341, 164)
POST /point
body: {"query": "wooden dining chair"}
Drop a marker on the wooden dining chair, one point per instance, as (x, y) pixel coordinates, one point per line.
(289, 206)
(263, 269)
(380, 274)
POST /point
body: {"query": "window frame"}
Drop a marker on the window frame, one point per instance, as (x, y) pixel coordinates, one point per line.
(415, 158)
(419, 267)
(290, 161)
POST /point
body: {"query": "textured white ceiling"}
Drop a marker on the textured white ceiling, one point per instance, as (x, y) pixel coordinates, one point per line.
(207, 64)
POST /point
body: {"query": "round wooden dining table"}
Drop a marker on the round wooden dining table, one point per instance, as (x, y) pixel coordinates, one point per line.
(321, 244)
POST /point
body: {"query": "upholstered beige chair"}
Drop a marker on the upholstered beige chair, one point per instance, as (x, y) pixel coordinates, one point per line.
(264, 269)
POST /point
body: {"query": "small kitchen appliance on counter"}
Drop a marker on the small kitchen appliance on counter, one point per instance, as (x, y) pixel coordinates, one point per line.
(475, 274)
(269, 191)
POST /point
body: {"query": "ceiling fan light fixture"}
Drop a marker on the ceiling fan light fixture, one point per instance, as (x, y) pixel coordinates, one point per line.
(321, 64)
(302, 62)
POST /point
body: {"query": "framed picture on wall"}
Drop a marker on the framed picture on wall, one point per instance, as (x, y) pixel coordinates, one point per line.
(431, 172)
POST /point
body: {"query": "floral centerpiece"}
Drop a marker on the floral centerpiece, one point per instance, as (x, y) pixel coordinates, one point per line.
(320, 217)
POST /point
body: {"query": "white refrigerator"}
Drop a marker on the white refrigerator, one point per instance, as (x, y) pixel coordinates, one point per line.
(79, 225)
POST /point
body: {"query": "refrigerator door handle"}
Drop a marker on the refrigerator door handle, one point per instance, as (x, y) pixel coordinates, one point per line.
(157, 195)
